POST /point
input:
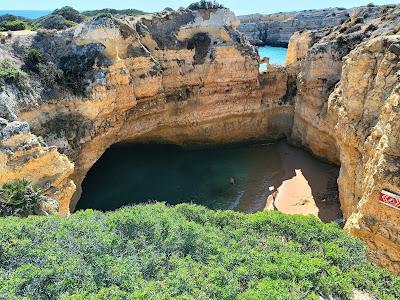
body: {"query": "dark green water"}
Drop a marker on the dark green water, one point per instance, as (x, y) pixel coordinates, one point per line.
(130, 174)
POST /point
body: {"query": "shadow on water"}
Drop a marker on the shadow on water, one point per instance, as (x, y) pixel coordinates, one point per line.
(138, 173)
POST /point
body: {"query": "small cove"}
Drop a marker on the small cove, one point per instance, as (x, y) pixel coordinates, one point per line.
(138, 173)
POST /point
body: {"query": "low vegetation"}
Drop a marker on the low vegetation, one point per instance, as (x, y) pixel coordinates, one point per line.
(19, 198)
(205, 5)
(12, 75)
(59, 19)
(127, 12)
(184, 252)
(47, 72)
(13, 23)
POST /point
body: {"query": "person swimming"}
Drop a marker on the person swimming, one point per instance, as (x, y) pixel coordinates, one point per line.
(232, 180)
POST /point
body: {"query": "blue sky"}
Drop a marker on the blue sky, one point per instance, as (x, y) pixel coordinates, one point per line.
(240, 7)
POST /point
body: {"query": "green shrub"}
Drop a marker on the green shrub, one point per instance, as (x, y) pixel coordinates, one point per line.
(205, 5)
(33, 58)
(12, 75)
(69, 14)
(59, 19)
(49, 73)
(56, 22)
(103, 15)
(19, 198)
(14, 25)
(130, 12)
(8, 18)
(184, 252)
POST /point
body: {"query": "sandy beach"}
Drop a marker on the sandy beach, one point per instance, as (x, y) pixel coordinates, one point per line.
(313, 193)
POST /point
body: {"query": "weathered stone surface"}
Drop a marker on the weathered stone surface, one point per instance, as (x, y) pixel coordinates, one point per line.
(366, 105)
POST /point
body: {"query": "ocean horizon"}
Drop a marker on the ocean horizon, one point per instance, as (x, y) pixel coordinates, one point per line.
(29, 14)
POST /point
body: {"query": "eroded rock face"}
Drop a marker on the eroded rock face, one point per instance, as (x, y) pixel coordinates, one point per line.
(366, 106)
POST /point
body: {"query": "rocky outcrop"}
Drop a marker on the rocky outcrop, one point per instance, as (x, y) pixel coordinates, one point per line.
(25, 156)
(276, 29)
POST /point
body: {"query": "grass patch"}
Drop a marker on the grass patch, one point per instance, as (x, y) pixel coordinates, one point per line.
(184, 252)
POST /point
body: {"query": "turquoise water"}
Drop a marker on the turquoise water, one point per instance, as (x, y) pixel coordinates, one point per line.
(29, 14)
(132, 174)
(277, 55)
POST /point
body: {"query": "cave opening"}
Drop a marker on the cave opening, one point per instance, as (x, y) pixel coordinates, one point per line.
(236, 177)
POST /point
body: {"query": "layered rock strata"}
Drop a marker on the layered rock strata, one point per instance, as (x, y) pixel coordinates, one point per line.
(277, 29)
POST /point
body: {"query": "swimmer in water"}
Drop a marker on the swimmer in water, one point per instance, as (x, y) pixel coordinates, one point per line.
(232, 180)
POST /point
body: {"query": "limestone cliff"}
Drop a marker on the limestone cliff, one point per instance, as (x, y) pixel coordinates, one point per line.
(276, 29)
(346, 110)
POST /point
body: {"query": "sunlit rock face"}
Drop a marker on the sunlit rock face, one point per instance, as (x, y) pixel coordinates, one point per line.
(191, 77)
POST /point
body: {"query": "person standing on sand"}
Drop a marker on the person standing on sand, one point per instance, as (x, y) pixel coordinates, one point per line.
(274, 195)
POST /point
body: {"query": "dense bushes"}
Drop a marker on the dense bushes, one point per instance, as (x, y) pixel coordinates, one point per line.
(12, 23)
(69, 14)
(48, 73)
(184, 252)
(56, 22)
(205, 5)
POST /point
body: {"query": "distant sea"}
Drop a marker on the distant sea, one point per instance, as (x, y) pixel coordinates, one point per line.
(277, 55)
(29, 14)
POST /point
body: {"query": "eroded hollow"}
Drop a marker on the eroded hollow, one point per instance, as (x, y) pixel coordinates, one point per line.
(234, 177)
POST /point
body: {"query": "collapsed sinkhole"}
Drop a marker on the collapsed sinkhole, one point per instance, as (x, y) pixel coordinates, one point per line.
(235, 176)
